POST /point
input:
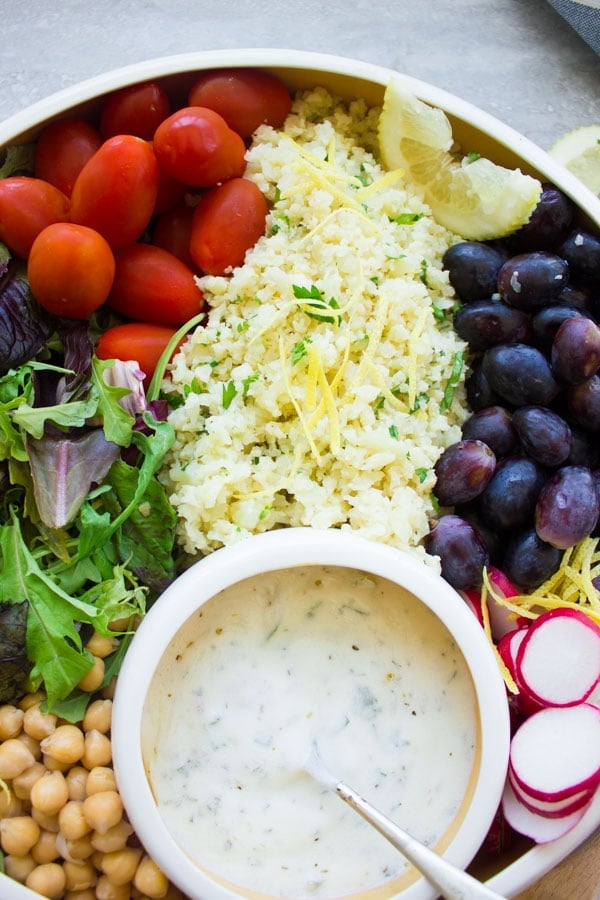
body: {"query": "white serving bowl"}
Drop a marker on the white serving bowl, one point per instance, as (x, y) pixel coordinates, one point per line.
(146, 716)
(348, 78)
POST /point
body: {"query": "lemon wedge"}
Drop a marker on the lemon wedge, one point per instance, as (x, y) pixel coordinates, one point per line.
(579, 152)
(469, 195)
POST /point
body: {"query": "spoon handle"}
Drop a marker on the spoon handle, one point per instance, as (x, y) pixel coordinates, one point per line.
(451, 882)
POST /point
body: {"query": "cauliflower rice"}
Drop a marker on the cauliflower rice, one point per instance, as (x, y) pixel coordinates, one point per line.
(327, 379)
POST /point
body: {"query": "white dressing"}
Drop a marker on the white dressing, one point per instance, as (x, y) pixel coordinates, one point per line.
(278, 661)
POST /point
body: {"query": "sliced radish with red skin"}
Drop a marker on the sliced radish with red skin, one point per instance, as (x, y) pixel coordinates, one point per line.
(558, 661)
(502, 620)
(472, 597)
(555, 753)
(508, 646)
(552, 808)
(541, 829)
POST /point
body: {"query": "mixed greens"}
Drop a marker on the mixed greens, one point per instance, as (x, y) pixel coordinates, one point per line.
(86, 529)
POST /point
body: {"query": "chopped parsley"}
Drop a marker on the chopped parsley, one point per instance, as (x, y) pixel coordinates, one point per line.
(299, 350)
(406, 218)
(455, 373)
(316, 305)
(229, 392)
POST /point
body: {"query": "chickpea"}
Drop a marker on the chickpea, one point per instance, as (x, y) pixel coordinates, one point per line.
(53, 765)
(31, 700)
(50, 793)
(87, 894)
(125, 623)
(38, 724)
(71, 820)
(106, 890)
(19, 867)
(174, 893)
(114, 838)
(32, 744)
(75, 850)
(100, 778)
(94, 677)
(150, 879)
(109, 691)
(49, 821)
(103, 810)
(45, 850)
(120, 865)
(15, 757)
(79, 876)
(76, 780)
(65, 744)
(98, 716)
(23, 783)
(18, 835)
(47, 880)
(11, 721)
(98, 750)
(102, 645)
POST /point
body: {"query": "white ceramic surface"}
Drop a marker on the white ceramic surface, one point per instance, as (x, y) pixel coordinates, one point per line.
(348, 77)
(279, 550)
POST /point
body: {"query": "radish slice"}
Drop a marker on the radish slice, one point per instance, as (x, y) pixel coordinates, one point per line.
(558, 661)
(472, 597)
(552, 808)
(541, 829)
(502, 620)
(555, 753)
(508, 647)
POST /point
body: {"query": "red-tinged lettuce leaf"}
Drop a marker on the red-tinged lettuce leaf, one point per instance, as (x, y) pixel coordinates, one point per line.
(24, 325)
(64, 468)
(14, 665)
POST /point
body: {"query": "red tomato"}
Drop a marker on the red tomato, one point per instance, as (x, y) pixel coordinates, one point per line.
(172, 232)
(141, 341)
(169, 193)
(196, 146)
(152, 285)
(70, 270)
(228, 220)
(246, 98)
(62, 150)
(138, 109)
(27, 206)
(116, 190)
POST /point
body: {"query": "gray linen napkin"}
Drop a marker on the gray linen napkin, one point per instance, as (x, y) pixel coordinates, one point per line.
(584, 17)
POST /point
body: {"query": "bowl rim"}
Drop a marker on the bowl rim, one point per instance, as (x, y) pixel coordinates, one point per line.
(264, 553)
(60, 101)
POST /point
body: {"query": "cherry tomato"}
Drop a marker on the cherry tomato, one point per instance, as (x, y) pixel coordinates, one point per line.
(116, 190)
(152, 285)
(138, 109)
(141, 341)
(70, 270)
(27, 206)
(196, 146)
(172, 232)
(228, 220)
(169, 193)
(246, 98)
(62, 150)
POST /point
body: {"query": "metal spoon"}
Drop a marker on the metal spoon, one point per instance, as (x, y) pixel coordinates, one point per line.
(452, 883)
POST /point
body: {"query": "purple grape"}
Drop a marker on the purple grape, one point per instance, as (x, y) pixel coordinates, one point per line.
(567, 508)
(520, 374)
(532, 280)
(485, 323)
(546, 322)
(472, 269)
(462, 472)
(583, 404)
(548, 224)
(544, 435)
(509, 500)
(585, 449)
(529, 561)
(581, 250)
(479, 393)
(461, 551)
(494, 427)
(575, 353)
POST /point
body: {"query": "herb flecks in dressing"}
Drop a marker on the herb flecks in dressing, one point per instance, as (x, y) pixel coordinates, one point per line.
(275, 662)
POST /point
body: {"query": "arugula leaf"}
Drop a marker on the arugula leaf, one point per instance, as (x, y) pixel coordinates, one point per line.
(33, 419)
(14, 665)
(117, 422)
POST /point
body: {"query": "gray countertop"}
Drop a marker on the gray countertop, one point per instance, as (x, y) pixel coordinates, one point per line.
(516, 59)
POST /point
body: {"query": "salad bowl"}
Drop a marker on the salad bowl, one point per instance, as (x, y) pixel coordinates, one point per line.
(516, 869)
